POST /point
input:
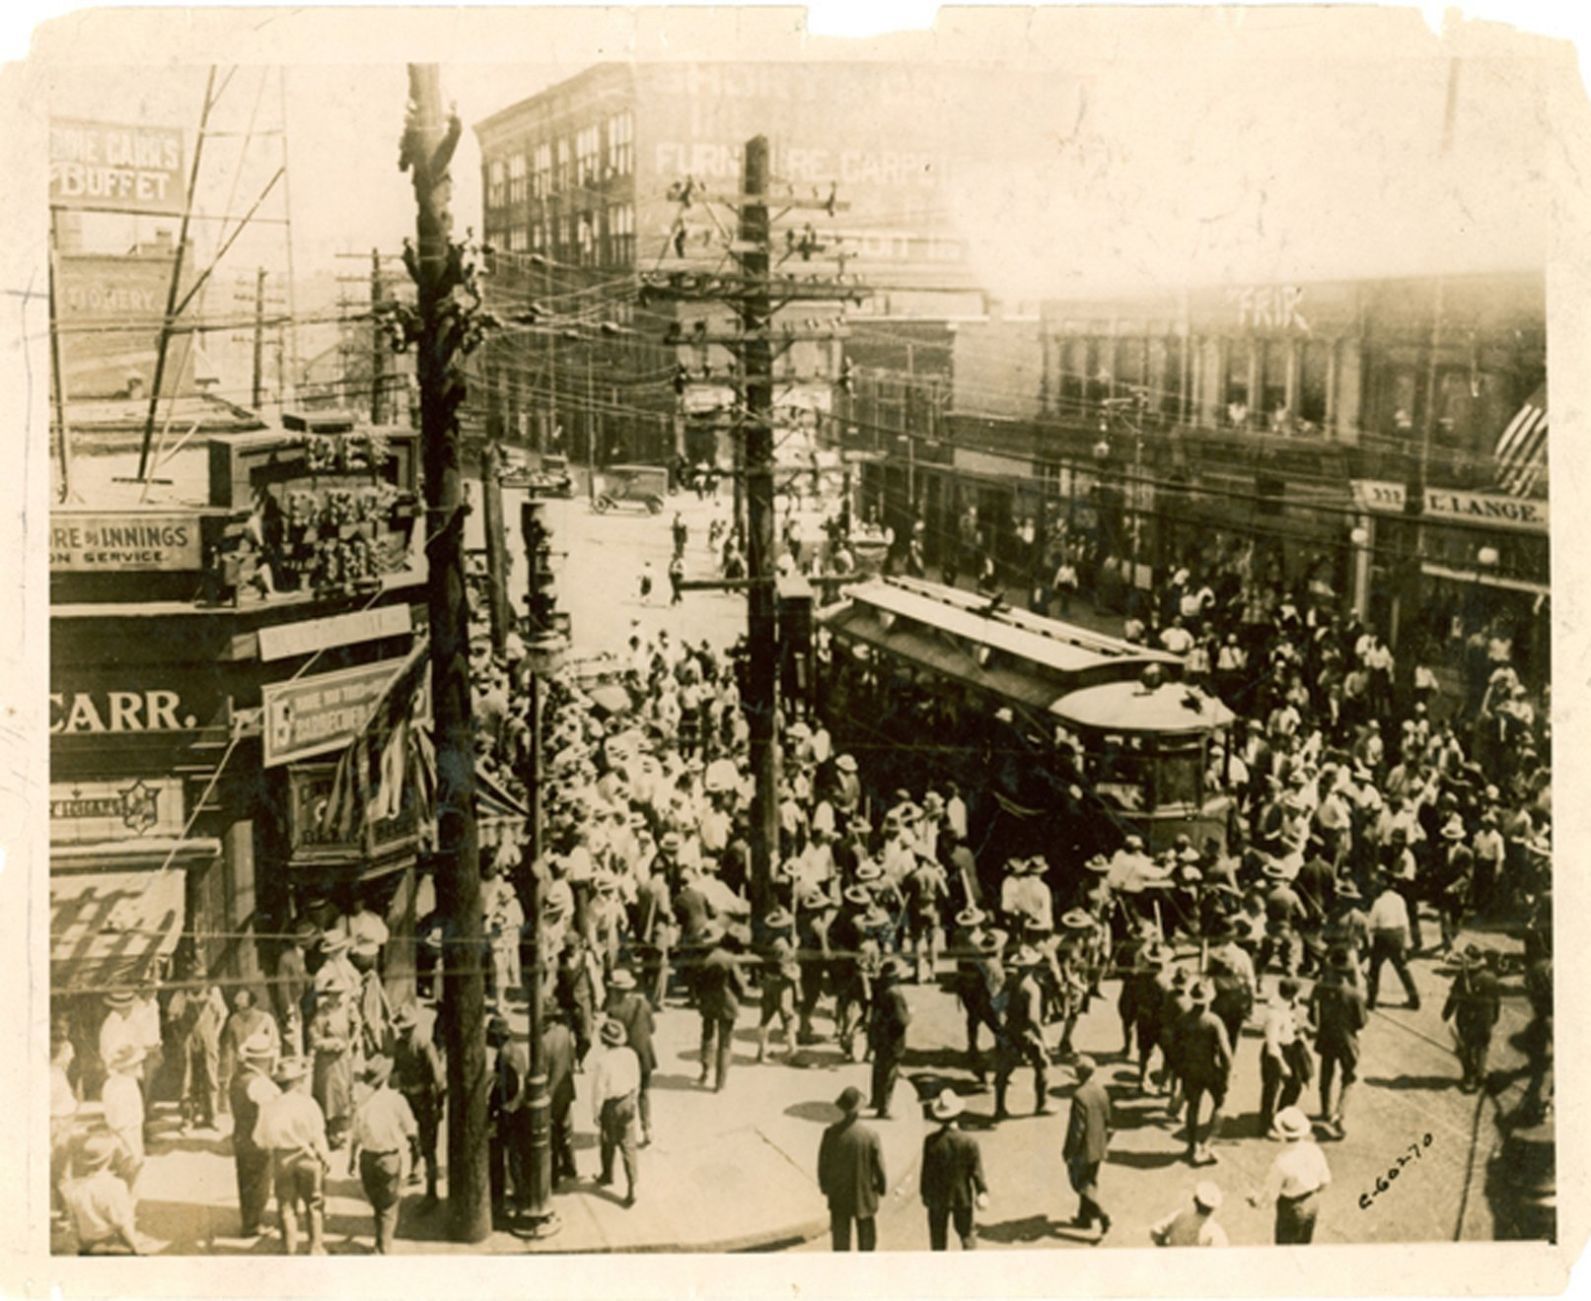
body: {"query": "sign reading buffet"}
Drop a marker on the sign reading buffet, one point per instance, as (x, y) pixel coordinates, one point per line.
(117, 166)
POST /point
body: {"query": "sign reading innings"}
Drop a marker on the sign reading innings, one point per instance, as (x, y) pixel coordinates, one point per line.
(315, 715)
(123, 542)
(116, 166)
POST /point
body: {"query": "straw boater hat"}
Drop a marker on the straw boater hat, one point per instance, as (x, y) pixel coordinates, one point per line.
(1026, 956)
(1453, 828)
(845, 763)
(622, 978)
(778, 919)
(1274, 870)
(894, 968)
(613, 1033)
(290, 1069)
(869, 872)
(858, 895)
(1346, 889)
(1098, 863)
(1075, 919)
(812, 898)
(338, 942)
(258, 1047)
(1208, 1196)
(971, 916)
(1291, 1123)
(948, 1105)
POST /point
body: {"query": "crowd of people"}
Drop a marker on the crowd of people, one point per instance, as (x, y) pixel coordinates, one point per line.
(1354, 805)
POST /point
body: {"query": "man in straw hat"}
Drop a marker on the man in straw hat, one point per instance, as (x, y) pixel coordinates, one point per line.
(1297, 1177)
(383, 1133)
(333, 1040)
(250, 1089)
(1473, 1005)
(615, 1087)
(1194, 1225)
(1389, 939)
(851, 1175)
(1023, 1040)
(630, 1009)
(419, 1075)
(951, 1181)
(99, 1203)
(779, 977)
(123, 1103)
(1455, 878)
(1088, 1131)
(980, 976)
(1337, 1011)
(293, 1130)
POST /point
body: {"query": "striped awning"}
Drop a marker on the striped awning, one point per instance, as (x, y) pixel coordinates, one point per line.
(109, 929)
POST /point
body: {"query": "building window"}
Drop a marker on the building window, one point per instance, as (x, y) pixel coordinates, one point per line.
(621, 235)
(1237, 394)
(494, 184)
(517, 192)
(1313, 369)
(1131, 365)
(565, 176)
(1170, 394)
(586, 146)
(541, 172)
(565, 235)
(588, 240)
(621, 144)
(1273, 377)
(516, 239)
(538, 237)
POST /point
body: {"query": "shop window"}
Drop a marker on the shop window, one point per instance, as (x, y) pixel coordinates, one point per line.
(1314, 366)
(494, 183)
(541, 172)
(517, 187)
(1273, 379)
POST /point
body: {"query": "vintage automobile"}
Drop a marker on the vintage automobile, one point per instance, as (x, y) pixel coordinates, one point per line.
(631, 485)
(550, 477)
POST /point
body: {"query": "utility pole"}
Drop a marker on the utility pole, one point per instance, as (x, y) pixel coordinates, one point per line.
(545, 644)
(756, 315)
(443, 330)
(1406, 607)
(378, 351)
(257, 389)
(496, 544)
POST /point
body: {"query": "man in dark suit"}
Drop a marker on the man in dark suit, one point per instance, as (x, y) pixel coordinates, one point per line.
(886, 1032)
(719, 989)
(633, 1011)
(851, 1175)
(1087, 1140)
(558, 1046)
(952, 1182)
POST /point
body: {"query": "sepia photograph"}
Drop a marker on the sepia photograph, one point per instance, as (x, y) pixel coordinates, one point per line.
(669, 635)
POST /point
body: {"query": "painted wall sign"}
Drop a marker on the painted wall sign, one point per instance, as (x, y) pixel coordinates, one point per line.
(89, 812)
(314, 715)
(119, 711)
(116, 165)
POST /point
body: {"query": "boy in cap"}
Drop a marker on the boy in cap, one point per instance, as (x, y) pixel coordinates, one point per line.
(383, 1133)
(1193, 1226)
(951, 1182)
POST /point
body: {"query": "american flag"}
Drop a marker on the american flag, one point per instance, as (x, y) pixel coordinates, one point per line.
(1522, 449)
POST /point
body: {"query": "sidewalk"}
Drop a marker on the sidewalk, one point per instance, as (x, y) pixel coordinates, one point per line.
(731, 1171)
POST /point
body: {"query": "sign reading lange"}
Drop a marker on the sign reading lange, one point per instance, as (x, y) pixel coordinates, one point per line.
(116, 166)
(309, 716)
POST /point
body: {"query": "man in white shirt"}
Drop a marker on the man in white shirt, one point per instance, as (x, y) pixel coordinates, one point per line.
(1389, 940)
(1296, 1179)
(99, 1203)
(124, 1104)
(615, 1088)
(1193, 1226)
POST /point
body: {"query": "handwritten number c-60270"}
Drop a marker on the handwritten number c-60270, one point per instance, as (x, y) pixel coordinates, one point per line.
(1384, 1182)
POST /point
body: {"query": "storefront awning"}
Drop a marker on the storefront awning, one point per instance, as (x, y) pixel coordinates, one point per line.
(499, 817)
(108, 929)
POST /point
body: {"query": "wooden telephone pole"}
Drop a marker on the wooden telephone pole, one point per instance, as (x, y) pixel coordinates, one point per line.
(443, 330)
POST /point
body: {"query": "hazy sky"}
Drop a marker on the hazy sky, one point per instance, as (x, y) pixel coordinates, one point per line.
(1234, 149)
